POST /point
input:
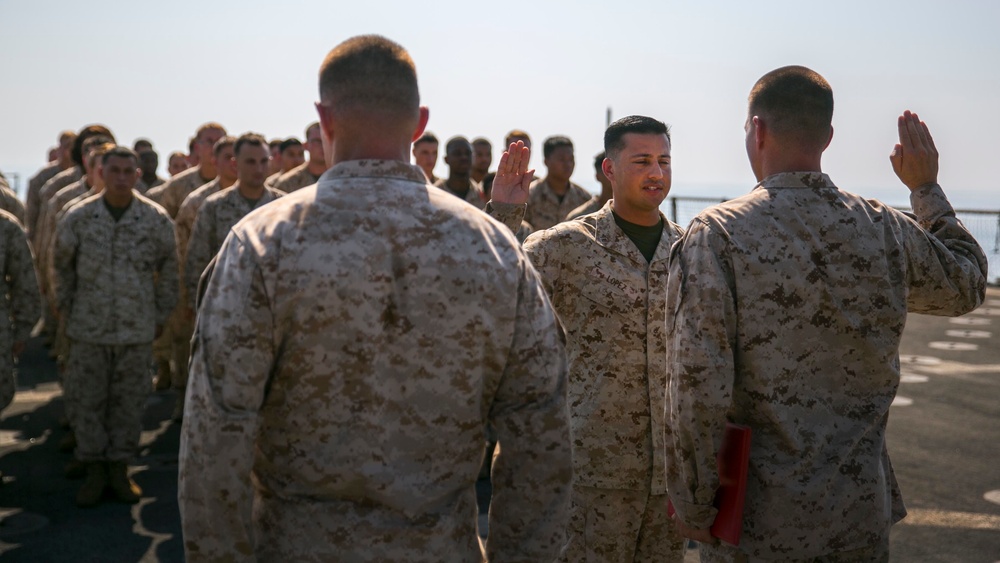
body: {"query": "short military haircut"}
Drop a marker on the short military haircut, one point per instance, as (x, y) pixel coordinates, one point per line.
(794, 102)
(310, 128)
(98, 150)
(142, 145)
(83, 135)
(614, 135)
(67, 136)
(121, 151)
(191, 143)
(553, 143)
(207, 127)
(223, 142)
(253, 139)
(599, 161)
(427, 137)
(370, 73)
(458, 139)
(179, 154)
(275, 143)
(289, 143)
(481, 141)
(515, 135)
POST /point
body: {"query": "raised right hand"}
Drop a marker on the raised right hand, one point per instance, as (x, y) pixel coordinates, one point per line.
(513, 177)
(915, 158)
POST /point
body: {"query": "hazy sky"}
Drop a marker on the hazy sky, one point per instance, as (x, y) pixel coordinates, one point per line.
(158, 70)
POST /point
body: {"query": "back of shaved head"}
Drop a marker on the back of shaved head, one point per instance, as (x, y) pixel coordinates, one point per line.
(372, 75)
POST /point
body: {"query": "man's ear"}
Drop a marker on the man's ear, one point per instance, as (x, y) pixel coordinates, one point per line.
(760, 129)
(608, 168)
(327, 131)
(422, 123)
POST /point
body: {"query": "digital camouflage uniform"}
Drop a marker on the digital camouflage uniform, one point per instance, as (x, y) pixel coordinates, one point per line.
(20, 303)
(51, 188)
(171, 193)
(219, 212)
(115, 282)
(474, 195)
(785, 311)
(611, 302)
(31, 205)
(544, 207)
(295, 179)
(594, 204)
(354, 341)
(181, 323)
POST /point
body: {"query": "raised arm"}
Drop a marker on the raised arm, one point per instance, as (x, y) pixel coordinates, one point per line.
(510, 188)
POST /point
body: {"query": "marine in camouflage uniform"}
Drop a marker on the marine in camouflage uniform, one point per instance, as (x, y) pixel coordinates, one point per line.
(354, 341)
(20, 302)
(458, 157)
(785, 311)
(216, 216)
(116, 282)
(357, 321)
(51, 188)
(610, 296)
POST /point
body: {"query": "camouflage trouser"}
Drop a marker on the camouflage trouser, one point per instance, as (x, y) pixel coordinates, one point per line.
(614, 525)
(721, 553)
(107, 386)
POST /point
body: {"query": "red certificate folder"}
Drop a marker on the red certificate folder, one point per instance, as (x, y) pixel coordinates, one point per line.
(733, 462)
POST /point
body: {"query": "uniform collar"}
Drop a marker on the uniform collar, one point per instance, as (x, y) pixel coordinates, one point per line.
(796, 180)
(610, 236)
(375, 168)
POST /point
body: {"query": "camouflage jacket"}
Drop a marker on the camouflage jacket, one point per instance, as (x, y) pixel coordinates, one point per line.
(611, 302)
(544, 207)
(217, 214)
(354, 341)
(295, 179)
(115, 280)
(171, 193)
(183, 224)
(20, 303)
(473, 196)
(785, 310)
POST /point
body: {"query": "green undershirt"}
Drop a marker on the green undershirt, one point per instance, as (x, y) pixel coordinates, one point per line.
(644, 238)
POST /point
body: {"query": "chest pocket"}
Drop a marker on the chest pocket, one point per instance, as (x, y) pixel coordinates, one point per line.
(134, 244)
(601, 305)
